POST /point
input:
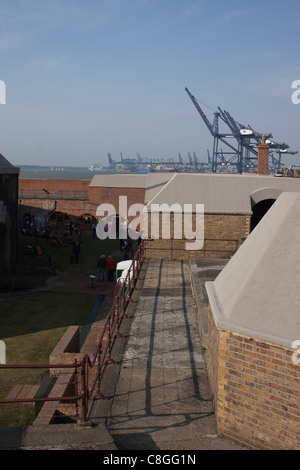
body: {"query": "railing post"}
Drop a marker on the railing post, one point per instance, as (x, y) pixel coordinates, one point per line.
(109, 358)
(76, 386)
(83, 393)
(98, 393)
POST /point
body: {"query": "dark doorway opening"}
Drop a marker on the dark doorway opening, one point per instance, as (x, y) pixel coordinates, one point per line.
(259, 210)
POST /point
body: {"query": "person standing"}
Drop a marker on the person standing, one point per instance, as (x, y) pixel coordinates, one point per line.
(76, 251)
(101, 268)
(111, 266)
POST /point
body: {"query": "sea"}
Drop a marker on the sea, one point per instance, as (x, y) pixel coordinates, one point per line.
(65, 173)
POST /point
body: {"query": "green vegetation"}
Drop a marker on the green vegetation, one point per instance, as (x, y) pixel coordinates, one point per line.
(31, 324)
(91, 249)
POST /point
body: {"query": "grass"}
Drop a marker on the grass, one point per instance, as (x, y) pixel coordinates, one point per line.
(91, 249)
(31, 324)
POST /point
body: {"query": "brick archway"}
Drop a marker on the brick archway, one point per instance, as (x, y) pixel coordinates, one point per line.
(259, 211)
(261, 201)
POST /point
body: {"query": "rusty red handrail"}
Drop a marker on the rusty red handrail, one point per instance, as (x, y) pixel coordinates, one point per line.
(81, 396)
(123, 293)
(102, 356)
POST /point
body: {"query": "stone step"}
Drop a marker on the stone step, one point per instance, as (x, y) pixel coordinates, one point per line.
(22, 391)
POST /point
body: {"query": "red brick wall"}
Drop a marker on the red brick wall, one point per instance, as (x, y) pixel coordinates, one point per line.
(53, 186)
(102, 195)
(73, 197)
(263, 159)
(72, 207)
(256, 388)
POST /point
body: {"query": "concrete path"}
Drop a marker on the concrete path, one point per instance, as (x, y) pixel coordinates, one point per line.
(162, 398)
(158, 391)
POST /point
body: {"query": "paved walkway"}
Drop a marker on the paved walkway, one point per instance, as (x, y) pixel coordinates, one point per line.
(158, 393)
(162, 398)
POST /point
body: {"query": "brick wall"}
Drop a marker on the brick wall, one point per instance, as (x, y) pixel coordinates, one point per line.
(28, 185)
(71, 207)
(100, 195)
(263, 159)
(73, 197)
(256, 389)
(66, 196)
(223, 235)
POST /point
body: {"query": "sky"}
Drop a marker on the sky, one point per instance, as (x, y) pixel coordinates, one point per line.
(85, 78)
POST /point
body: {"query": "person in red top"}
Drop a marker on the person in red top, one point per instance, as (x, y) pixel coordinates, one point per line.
(110, 264)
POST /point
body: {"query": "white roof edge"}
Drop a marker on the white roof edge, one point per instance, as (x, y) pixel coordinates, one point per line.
(223, 324)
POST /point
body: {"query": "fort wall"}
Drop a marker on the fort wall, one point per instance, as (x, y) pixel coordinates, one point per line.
(256, 390)
(223, 235)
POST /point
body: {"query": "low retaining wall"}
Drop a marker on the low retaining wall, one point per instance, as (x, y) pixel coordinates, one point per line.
(65, 352)
(256, 388)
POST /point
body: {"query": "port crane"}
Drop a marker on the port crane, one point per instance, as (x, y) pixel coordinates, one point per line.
(241, 142)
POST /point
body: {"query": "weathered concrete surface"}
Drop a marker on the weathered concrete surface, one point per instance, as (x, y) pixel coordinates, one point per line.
(57, 437)
(203, 270)
(257, 293)
(162, 398)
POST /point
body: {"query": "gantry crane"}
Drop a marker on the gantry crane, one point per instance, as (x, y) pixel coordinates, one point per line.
(241, 142)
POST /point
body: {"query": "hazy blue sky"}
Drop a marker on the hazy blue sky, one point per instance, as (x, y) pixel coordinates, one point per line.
(88, 77)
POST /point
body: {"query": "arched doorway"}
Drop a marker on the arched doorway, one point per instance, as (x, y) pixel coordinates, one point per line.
(259, 210)
(261, 201)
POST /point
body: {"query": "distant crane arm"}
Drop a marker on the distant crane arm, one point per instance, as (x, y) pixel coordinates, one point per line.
(209, 125)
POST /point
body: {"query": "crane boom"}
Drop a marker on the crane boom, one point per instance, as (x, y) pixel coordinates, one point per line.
(209, 125)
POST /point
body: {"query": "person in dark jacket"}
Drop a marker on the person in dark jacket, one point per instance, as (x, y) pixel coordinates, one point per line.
(101, 268)
(76, 251)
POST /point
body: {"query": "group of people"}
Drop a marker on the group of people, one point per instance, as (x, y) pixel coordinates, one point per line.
(105, 269)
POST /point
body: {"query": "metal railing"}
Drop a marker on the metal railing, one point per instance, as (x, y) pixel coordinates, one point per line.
(80, 375)
(93, 367)
(122, 296)
(88, 372)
